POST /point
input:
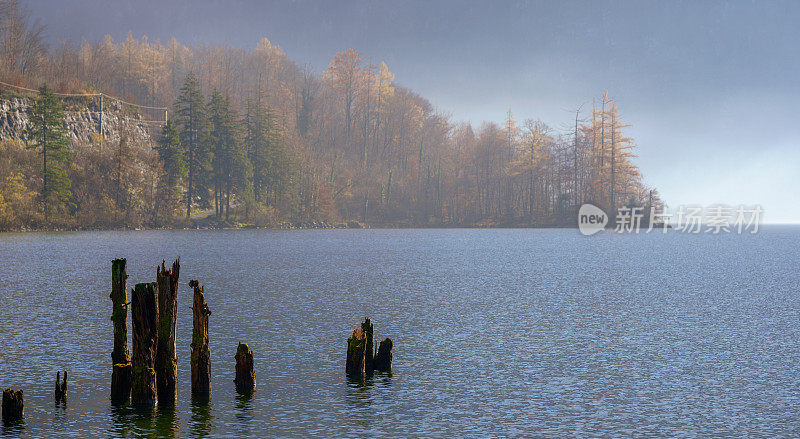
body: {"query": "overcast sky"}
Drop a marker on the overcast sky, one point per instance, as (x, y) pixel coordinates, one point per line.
(710, 88)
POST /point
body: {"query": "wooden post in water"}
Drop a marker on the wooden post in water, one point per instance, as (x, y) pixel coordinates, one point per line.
(245, 375)
(369, 344)
(383, 359)
(144, 312)
(166, 361)
(13, 406)
(61, 387)
(121, 378)
(201, 356)
(356, 347)
(121, 375)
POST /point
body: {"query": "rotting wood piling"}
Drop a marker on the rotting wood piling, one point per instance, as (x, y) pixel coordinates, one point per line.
(61, 387)
(201, 355)
(120, 360)
(144, 314)
(356, 347)
(166, 365)
(245, 374)
(369, 343)
(383, 359)
(13, 406)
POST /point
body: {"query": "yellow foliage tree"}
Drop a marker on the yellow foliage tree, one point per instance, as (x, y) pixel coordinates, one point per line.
(15, 200)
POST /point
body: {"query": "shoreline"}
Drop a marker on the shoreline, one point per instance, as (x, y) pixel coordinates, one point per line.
(352, 225)
(292, 226)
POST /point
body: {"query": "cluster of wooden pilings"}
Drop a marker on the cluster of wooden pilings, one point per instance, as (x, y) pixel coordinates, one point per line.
(362, 359)
(149, 375)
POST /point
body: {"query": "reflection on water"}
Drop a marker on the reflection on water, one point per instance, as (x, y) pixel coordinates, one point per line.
(166, 422)
(15, 428)
(144, 420)
(383, 379)
(120, 421)
(60, 412)
(129, 421)
(361, 397)
(243, 409)
(200, 421)
(361, 385)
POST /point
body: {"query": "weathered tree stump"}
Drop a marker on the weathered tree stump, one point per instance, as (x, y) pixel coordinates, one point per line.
(383, 359)
(356, 347)
(201, 355)
(120, 382)
(13, 406)
(166, 361)
(144, 312)
(245, 375)
(61, 387)
(369, 344)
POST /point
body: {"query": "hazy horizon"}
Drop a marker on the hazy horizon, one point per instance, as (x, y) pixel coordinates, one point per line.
(707, 88)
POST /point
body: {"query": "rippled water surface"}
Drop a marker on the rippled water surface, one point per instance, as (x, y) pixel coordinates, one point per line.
(496, 332)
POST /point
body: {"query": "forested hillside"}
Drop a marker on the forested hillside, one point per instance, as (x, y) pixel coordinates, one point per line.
(253, 138)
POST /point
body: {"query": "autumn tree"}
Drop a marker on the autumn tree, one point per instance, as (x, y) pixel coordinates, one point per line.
(624, 175)
(531, 159)
(346, 72)
(15, 201)
(21, 39)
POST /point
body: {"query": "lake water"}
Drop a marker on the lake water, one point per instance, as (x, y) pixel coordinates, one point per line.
(496, 332)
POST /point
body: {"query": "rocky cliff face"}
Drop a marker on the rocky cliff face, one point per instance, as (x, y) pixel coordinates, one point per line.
(81, 119)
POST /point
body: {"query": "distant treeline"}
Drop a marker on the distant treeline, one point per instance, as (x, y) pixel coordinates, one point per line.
(260, 140)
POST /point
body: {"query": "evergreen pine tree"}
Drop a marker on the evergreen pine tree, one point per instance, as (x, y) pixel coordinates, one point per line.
(233, 172)
(49, 137)
(221, 136)
(173, 161)
(193, 129)
(274, 168)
